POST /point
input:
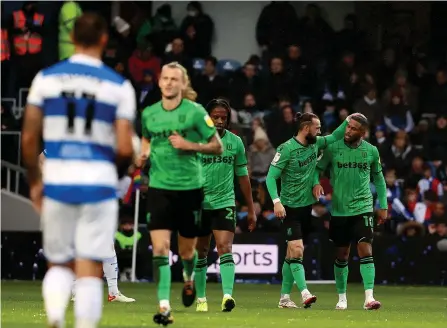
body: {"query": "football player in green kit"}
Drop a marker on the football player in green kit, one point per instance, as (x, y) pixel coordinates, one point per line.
(174, 131)
(352, 162)
(294, 163)
(219, 212)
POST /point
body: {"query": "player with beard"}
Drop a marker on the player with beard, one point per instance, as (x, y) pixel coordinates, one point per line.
(352, 162)
(295, 163)
(219, 212)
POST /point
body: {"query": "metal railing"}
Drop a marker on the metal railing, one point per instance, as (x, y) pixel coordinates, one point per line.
(11, 170)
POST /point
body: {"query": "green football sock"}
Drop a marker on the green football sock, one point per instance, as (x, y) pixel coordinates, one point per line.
(188, 266)
(368, 272)
(341, 271)
(162, 274)
(200, 277)
(287, 278)
(227, 273)
(296, 266)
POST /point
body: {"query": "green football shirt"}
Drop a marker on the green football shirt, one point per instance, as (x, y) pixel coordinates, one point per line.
(174, 169)
(295, 164)
(351, 170)
(219, 172)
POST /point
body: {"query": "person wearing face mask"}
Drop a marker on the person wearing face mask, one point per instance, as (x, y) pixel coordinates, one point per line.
(197, 29)
(26, 39)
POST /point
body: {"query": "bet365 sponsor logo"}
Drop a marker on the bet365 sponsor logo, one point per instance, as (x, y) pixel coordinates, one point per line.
(352, 165)
(252, 258)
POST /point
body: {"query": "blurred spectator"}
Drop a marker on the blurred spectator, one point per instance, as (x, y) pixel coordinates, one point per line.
(420, 137)
(163, 29)
(143, 59)
(386, 70)
(260, 154)
(350, 38)
(300, 72)
(307, 107)
(398, 116)
(285, 128)
(329, 116)
(428, 182)
(210, 84)
(421, 79)
(147, 90)
(438, 138)
(177, 54)
(276, 27)
(400, 154)
(245, 81)
(423, 210)
(68, 14)
(416, 172)
(397, 210)
(346, 77)
(197, 29)
(381, 140)
(27, 41)
(8, 121)
(407, 92)
(369, 106)
(6, 54)
(277, 83)
(437, 96)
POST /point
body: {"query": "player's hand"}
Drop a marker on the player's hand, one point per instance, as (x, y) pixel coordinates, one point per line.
(318, 191)
(280, 211)
(252, 218)
(178, 142)
(36, 195)
(383, 216)
(141, 160)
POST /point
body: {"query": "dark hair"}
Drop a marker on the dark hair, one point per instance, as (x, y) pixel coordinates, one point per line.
(212, 60)
(303, 119)
(219, 102)
(88, 29)
(361, 119)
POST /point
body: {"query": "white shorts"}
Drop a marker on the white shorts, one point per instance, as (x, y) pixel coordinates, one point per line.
(78, 231)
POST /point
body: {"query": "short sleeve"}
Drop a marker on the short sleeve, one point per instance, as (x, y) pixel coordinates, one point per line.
(376, 165)
(127, 103)
(240, 160)
(36, 95)
(204, 124)
(281, 158)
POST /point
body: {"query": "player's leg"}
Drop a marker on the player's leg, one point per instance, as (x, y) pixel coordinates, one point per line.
(224, 226)
(58, 225)
(95, 232)
(110, 268)
(340, 234)
(160, 218)
(364, 235)
(295, 247)
(285, 301)
(202, 246)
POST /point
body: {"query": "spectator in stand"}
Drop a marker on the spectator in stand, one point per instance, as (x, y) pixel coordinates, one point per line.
(438, 137)
(143, 59)
(416, 172)
(197, 30)
(26, 42)
(441, 175)
(329, 117)
(8, 122)
(438, 228)
(369, 106)
(423, 209)
(5, 53)
(428, 182)
(407, 92)
(350, 38)
(421, 79)
(307, 107)
(381, 140)
(147, 91)
(260, 154)
(386, 70)
(347, 77)
(163, 30)
(68, 14)
(277, 83)
(210, 84)
(398, 116)
(300, 72)
(284, 129)
(437, 97)
(245, 81)
(276, 27)
(420, 137)
(400, 155)
(177, 54)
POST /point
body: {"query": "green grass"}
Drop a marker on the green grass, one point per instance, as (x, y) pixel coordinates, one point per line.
(256, 307)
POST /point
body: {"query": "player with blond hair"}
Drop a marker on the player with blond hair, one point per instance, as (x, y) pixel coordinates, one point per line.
(174, 131)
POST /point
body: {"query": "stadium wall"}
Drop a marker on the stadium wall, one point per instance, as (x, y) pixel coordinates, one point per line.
(258, 258)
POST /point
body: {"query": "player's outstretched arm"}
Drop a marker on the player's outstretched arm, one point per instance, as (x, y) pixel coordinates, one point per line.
(379, 183)
(322, 165)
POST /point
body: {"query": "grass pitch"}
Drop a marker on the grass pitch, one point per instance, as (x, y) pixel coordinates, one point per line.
(256, 307)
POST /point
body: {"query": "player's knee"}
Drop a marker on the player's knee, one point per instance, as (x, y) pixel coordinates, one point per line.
(161, 249)
(342, 254)
(202, 251)
(364, 249)
(224, 248)
(296, 248)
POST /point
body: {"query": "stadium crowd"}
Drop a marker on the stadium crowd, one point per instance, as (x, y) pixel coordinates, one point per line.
(305, 66)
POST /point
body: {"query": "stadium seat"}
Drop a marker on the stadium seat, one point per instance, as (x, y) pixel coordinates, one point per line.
(225, 66)
(198, 64)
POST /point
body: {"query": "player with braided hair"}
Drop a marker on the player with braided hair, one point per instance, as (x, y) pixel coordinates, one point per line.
(219, 212)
